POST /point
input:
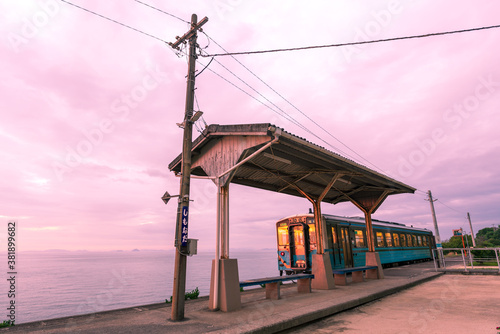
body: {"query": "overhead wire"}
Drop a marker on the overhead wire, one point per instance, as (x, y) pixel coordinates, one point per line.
(441, 202)
(162, 11)
(114, 21)
(244, 91)
(284, 114)
(352, 43)
(296, 108)
(281, 112)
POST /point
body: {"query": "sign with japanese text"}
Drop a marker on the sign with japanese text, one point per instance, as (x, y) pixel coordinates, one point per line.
(184, 231)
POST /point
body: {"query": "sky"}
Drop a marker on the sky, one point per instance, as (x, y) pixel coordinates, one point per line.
(88, 112)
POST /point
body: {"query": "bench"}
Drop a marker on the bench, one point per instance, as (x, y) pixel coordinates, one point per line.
(273, 284)
(357, 274)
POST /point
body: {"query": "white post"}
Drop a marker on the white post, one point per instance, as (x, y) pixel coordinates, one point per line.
(496, 255)
(463, 259)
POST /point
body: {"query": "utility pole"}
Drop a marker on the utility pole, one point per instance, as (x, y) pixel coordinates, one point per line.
(437, 237)
(181, 226)
(471, 231)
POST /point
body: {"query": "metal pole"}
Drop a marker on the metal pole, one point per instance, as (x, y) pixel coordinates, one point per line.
(463, 259)
(496, 255)
(470, 258)
(463, 243)
(471, 231)
(179, 288)
(436, 230)
(434, 260)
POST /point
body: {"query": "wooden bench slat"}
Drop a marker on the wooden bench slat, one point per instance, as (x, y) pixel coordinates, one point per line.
(258, 281)
(350, 270)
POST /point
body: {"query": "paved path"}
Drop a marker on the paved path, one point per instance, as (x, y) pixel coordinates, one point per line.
(448, 304)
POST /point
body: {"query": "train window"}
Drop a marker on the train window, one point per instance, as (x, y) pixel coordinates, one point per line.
(403, 240)
(380, 239)
(334, 235)
(388, 239)
(312, 233)
(359, 238)
(419, 238)
(425, 241)
(408, 239)
(298, 236)
(415, 244)
(395, 236)
(283, 235)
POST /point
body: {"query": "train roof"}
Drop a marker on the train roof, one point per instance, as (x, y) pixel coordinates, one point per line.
(361, 220)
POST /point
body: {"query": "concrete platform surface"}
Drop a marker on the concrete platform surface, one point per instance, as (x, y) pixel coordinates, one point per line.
(459, 304)
(257, 315)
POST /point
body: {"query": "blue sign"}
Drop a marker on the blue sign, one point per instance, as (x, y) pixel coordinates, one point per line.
(184, 232)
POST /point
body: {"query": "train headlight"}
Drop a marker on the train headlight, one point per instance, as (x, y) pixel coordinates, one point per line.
(282, 253)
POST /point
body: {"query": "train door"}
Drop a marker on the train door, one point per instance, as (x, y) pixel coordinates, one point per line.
(299, 246)
(345, 243)
(336, 249)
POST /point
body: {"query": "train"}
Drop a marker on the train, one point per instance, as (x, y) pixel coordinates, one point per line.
(396, 243)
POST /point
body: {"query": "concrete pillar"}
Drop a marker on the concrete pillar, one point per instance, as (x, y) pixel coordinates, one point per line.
(373, 259)
(229, 286)
(322, 271)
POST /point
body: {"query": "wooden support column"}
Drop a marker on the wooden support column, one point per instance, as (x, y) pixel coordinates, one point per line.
(369, 227)
(224, 287)
(319, 226)
(224, 218)
(321, 264)
(369, 205)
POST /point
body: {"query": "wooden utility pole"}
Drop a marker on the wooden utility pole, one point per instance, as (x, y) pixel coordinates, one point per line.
(181, 227)
(471, 231)
(438, 238)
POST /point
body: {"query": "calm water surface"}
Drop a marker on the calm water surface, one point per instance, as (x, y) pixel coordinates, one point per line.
(58, 284)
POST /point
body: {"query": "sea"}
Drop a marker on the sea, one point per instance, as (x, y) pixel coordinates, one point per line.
(54, 284)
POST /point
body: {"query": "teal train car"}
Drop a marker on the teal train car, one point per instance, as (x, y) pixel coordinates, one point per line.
(346, 242)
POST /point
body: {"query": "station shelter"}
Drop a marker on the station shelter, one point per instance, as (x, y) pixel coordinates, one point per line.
(267, 157)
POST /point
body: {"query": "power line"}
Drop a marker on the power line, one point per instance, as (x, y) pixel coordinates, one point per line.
(161, 10)
(441, 202)
(282, 114)
(250, 95)
(281, 111)
(114, 21)
(295, 107)
(351, 43)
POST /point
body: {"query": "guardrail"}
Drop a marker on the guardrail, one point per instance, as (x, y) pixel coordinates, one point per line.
(466, 258)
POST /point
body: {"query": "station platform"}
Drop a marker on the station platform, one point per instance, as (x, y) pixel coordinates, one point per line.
(257, 315)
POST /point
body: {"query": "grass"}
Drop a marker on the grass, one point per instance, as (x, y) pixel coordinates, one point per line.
(7, 323)
(493, 264)
(189, 295)
(193, 294)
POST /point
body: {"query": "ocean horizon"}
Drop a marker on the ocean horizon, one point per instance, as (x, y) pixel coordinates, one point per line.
(59, 283)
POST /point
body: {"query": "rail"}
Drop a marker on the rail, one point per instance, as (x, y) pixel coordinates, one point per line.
(467, 259)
